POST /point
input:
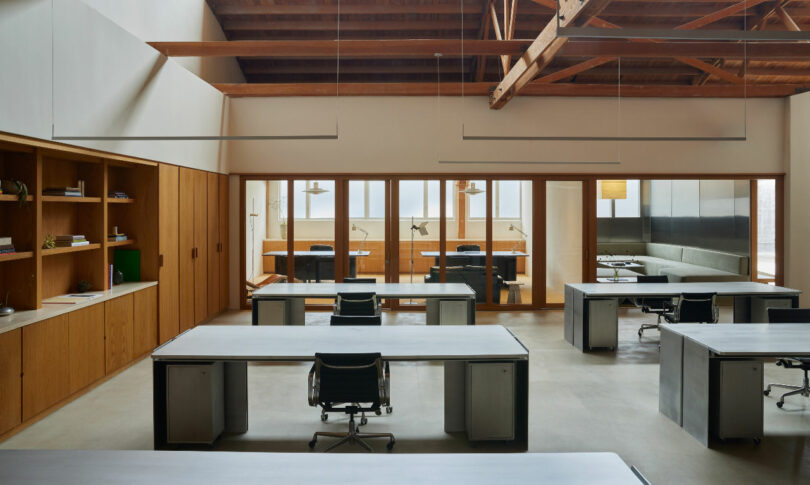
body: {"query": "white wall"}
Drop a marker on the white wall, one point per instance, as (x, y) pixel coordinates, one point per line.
(174, 20)
(797, 197)
(87, 76)
(410, 134)
(255, 227)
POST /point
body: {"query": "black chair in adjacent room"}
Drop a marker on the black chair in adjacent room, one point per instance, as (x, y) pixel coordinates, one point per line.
(463, 248)
(695, 308)
(325, 267)
(359, 379)
(357, 304)
(359, 280)
(657, 306)
(791, 315)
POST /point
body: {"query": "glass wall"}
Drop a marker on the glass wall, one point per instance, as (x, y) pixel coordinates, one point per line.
(766, 230)
(367, 229)
(419, 209)
(314, 232)
(512, 240)
(563, 237)
(466, 218)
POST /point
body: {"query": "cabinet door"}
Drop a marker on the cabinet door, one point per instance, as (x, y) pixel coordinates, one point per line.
(186, 247)
(118, 329)
(86, 346)
(10, 382)
(224, 233)
(144, 330)
(213, 244)
(168, 273)
(46, 375)
(201, 245)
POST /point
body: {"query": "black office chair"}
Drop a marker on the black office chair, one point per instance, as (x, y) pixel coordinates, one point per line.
(657, 306)
(324, 267)
(349, 378)
(321, 247)
(357, 304)
(359, 280)
(462, 248)
(791, 315)
(695, 308)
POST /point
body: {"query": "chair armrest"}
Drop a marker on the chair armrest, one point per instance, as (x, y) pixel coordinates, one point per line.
(313, 387)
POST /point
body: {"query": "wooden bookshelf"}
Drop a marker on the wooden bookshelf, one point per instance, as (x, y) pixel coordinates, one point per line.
(14, 198)
(16, 256)
(113, 200)
(65, 198)
(71, 249)
(128, 242)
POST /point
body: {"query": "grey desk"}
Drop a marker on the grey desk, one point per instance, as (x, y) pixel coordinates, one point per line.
(283, 303)
(469, 401)
(710, 380)
(591, 309)
(505, 261)
(314, 265)
(18, 467)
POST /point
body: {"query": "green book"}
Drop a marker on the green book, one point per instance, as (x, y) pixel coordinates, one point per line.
(128, 262)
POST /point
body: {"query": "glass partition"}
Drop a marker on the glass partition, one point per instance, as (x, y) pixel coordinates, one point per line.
(765, 250)
(512, 240)
(314, 232)
(563, 237)
(466, 243)
(367, 229)
(419, 206)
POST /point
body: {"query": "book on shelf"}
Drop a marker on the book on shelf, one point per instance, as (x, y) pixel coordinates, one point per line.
(63, 191)
(5, 241)
(71, 237)
(71, 240)
(116, 237)
(7, 251)
(70, 244)
(117, 194)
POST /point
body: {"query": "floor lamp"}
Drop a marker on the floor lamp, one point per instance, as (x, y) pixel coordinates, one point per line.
(422, 232)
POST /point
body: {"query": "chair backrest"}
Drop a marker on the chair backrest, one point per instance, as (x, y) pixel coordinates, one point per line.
(652, 279)
(340, 320)
(467, 247)
(359, 280)
(349, 378)
(356, 304)
(321, 247)
(697, 308)
(788, 315)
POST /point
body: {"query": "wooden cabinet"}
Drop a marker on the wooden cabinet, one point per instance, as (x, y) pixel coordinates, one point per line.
(200, 246)
(86, 346)
(118, 328)
(168, 259)
(213, 244)
(45, 361)
(224, 247)
(193, 232)
(10, 381)
(144, 329)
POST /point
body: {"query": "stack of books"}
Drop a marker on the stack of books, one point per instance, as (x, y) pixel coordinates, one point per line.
(5, 246)
(117, 194)
(116, 237)
(63, 191)
(71, 240)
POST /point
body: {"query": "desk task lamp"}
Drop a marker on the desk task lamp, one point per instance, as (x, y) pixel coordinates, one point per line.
(422, 229)
(355, 227)
(513, 227)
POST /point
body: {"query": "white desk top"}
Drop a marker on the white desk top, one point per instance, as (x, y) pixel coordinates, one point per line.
(300, 343)
(754, 339)
(728, 288)
(383, 290)
(27, 317)
(474, 253)
(244, 468)
(318, 254)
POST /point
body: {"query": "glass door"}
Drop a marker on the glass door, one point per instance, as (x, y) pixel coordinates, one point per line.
(417, 211)
(368, 229)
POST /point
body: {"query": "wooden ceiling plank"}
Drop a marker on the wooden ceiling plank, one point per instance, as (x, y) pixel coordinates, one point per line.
(574, 70)
(498, 35)
(483, 34)
(543, 49)
(786, 19)
(720, 14)
(712, 69)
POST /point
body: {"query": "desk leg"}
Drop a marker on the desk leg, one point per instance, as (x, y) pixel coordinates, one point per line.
(522, 404)
(431, 311)
(696, 417)
(670, 376)
(236, 397)
(454, 396)
(159, 424)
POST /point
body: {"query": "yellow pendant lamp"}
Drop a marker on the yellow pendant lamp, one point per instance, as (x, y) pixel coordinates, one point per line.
(612, 189)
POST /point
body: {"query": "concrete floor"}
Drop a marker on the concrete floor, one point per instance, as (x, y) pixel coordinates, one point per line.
(579, 402)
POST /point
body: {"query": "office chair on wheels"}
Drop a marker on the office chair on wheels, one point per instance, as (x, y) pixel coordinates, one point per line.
(657, 306)
(694, 308)
(357, 304)
(791, 315)
(466, 248)
(349, 378)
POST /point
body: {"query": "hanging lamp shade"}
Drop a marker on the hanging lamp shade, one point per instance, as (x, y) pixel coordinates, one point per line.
(472, 190)
(315, 189)
(612, 189)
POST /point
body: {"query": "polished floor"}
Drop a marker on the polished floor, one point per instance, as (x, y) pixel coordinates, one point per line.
(579, 402)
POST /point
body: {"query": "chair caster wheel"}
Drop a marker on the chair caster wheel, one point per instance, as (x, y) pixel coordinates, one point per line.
(390, 445)
(389, 410)
(766, 392)
(757, 441)
(363, 422)
(311, 444)
(324, 417)
(378, 412)
(780, 404)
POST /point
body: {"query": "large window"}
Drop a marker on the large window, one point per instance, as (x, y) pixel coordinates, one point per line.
(766, 230)
(506, 199)
(309, 204)
(629, 206)
(420, 199)
(366, 199)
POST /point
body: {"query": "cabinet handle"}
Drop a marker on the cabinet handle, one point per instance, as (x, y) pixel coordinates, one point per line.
(160, 261)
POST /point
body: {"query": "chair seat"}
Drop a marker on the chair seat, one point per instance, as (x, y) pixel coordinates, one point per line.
(795, 362)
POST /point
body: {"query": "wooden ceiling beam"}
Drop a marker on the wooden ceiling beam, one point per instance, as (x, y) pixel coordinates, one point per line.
(532, 89)
(235, 10)
(787, 19)
(652, 50)
(543, 49)
(483, 34)
(574, 70)
(279, 25)
(720, 14)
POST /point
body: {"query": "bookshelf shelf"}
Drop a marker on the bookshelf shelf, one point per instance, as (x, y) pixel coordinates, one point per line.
(62, 198)
(73, 249)
(13, 198)
(120, 201)
(16, 256)
(128, 242)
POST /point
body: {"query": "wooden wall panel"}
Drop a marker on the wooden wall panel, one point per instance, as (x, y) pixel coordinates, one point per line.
(224, 233)
(45, 361)
(10, 381)
(144, 325)
(86, 346)
(118, 323)
(186, 246)
(201, 247)
(168, 241)
(213, 244)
